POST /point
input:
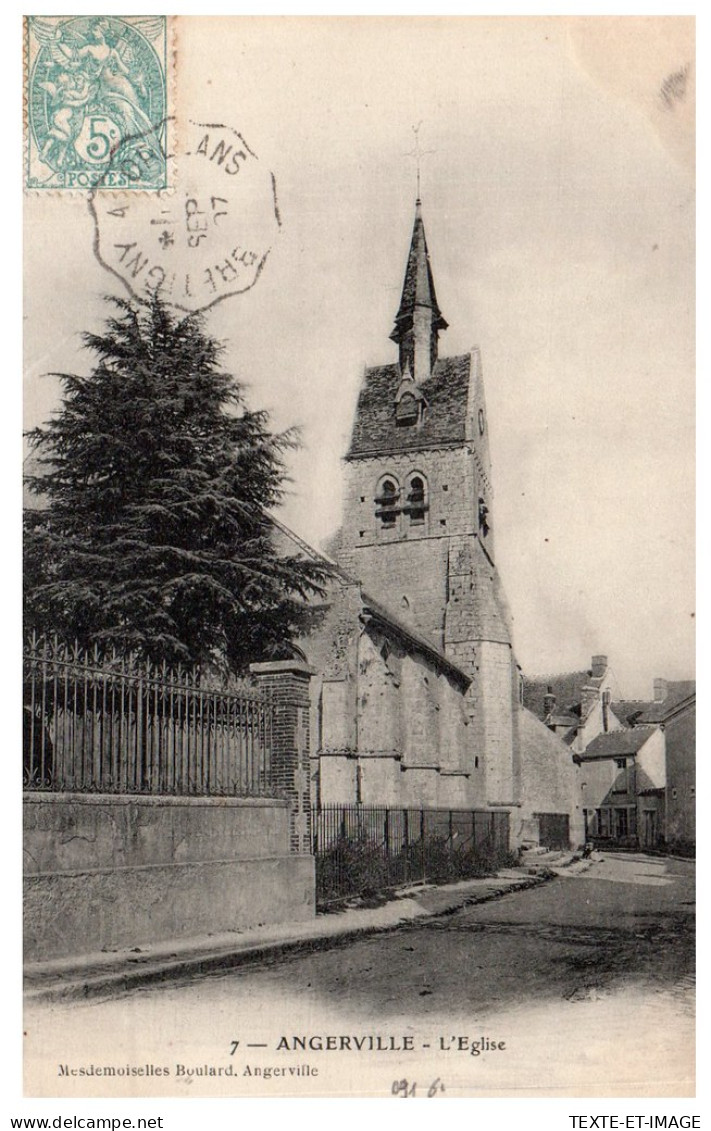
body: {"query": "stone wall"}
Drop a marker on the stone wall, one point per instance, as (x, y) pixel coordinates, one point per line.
(106, 871)
(549, 781)
(406, 567)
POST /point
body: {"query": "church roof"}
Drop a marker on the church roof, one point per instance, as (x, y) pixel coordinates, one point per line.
(374, 610)
(418, 287)
(376, 430)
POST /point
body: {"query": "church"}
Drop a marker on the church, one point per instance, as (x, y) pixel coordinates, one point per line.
(417, 696)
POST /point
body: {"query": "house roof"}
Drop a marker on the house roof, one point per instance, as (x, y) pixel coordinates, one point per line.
(566, 686)
(627, 711)
(679, 692)
(618, 743)
(446, 392)
(562, 720)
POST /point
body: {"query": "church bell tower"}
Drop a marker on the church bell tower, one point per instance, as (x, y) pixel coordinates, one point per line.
(418, 527)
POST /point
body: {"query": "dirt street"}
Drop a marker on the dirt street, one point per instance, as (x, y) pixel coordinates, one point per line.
(583, 986)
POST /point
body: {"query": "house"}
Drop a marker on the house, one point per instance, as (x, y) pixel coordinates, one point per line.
(636, 757)
(622, 784)
(575, 705)
(673, 709)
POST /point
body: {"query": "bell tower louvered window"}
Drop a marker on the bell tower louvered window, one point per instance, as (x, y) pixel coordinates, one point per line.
(386, 504)
(417, 500)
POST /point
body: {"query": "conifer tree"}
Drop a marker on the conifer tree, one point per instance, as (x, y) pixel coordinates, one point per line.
(154, 481)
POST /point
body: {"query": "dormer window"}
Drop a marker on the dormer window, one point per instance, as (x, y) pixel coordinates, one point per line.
(410, 403)
(407, 411)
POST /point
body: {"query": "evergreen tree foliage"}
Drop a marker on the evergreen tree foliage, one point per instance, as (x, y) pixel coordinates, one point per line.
(154, 480)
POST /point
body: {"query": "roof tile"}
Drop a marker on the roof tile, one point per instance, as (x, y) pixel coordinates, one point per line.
(618, 743)
(447, 391)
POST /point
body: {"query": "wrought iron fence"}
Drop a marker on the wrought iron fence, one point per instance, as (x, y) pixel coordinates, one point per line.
(362, 849)
(115, 724)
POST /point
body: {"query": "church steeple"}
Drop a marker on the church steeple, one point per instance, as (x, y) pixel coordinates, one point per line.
(419, 319)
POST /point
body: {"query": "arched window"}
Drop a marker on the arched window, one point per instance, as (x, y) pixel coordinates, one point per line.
(416, 499)
(386, 503)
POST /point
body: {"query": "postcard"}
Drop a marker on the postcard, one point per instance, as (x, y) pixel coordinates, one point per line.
(358, 674)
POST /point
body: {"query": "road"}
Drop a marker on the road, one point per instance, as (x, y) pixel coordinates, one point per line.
(582, 986)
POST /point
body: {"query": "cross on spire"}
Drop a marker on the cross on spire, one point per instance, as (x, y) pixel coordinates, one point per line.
(418, 154)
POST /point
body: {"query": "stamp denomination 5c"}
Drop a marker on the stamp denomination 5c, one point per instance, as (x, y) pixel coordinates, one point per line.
(94, 84)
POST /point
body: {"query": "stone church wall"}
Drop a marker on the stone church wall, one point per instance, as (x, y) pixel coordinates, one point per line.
(549, 781)
(406, 568)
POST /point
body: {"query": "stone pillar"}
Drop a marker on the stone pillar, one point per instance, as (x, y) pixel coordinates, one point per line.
(287, 684)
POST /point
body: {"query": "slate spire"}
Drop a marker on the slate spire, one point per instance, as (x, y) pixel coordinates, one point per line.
(419, 319)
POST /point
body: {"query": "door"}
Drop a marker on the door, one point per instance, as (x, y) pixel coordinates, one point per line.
(554, 830)
(649, 828)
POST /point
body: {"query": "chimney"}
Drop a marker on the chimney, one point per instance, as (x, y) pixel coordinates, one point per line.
(660, 689)
(599, 666)
(548, 701)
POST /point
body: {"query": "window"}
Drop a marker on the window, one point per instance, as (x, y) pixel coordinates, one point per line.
(386, 504)
(620, 781)
(602, 819)
(416, 502)
(483, 518)
(407, 410)
(621, 823)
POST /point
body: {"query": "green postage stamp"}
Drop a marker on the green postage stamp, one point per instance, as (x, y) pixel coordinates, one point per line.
(96, 95)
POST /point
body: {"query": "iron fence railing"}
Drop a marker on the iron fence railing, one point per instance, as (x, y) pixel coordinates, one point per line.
(362, 849)
(116, 724)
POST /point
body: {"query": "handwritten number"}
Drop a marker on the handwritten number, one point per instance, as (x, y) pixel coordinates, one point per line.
(403, 1088)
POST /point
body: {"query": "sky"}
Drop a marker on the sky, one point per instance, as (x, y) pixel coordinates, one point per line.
(558, 198)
